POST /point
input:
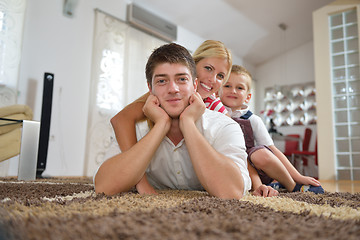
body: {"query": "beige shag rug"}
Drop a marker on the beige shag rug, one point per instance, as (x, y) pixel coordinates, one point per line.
(70, 209)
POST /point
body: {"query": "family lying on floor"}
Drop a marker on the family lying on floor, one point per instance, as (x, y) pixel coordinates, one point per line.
(180, 135)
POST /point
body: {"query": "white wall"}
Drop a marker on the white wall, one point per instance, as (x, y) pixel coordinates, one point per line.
(54, 43)
(294, 66)
(63, 46)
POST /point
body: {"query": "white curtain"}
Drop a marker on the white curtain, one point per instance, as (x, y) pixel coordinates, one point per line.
(11, 29)
(120, 53)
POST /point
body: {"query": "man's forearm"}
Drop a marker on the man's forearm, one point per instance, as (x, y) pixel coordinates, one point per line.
(218, 174)
(123, 171)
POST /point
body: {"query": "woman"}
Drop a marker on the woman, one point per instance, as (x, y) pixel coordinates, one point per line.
(213, 64)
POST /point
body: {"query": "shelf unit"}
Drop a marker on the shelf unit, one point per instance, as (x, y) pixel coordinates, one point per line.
(290, 105)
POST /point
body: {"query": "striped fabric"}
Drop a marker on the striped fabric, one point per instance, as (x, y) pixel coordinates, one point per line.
(214, 104)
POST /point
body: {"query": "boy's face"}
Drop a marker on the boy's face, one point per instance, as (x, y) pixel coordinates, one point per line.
(173, 86)
(236, 92)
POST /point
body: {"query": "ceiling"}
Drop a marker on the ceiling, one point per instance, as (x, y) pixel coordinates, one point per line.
(250, 28)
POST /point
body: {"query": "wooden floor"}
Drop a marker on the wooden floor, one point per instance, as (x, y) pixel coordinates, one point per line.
(341, 186)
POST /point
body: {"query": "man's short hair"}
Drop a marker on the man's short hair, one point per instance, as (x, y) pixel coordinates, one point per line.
(169, 53)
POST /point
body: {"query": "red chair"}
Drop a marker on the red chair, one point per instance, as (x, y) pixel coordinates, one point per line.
(307, 138)
(291, 144)
(304, 156)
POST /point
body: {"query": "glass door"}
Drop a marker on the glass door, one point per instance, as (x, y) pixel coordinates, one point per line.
(345, 77)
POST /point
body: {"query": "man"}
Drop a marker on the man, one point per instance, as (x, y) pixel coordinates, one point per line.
(189, 147)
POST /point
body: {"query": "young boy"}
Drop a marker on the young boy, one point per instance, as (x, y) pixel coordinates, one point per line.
(266, 162)
(188, 147)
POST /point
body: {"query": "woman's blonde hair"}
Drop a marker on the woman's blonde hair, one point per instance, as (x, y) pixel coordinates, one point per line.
(212, 48)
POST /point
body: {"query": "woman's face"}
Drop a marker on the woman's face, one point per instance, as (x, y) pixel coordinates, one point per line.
(210, 74)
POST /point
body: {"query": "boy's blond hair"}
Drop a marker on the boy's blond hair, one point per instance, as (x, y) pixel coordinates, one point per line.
(240, 70)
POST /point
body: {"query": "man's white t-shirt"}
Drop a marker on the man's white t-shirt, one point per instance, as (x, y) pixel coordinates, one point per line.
(171, 166)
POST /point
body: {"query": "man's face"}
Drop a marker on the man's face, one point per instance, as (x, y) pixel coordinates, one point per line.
(173, 86)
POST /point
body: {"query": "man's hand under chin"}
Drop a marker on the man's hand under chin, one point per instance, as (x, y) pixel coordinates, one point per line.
(154, 112)
(195, 109)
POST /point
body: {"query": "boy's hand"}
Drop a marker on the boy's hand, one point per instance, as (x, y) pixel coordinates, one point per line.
(265, 191)
(153, 111)
(308, 181)
(195, 109)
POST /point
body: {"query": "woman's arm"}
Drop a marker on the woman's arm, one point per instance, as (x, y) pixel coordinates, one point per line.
(124, 122)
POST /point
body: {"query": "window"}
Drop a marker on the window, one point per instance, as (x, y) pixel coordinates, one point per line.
(346, 93)
(11, 27)
(2, 21)
(120, 53)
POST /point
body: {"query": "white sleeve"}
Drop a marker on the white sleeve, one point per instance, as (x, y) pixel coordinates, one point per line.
(261, 134)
